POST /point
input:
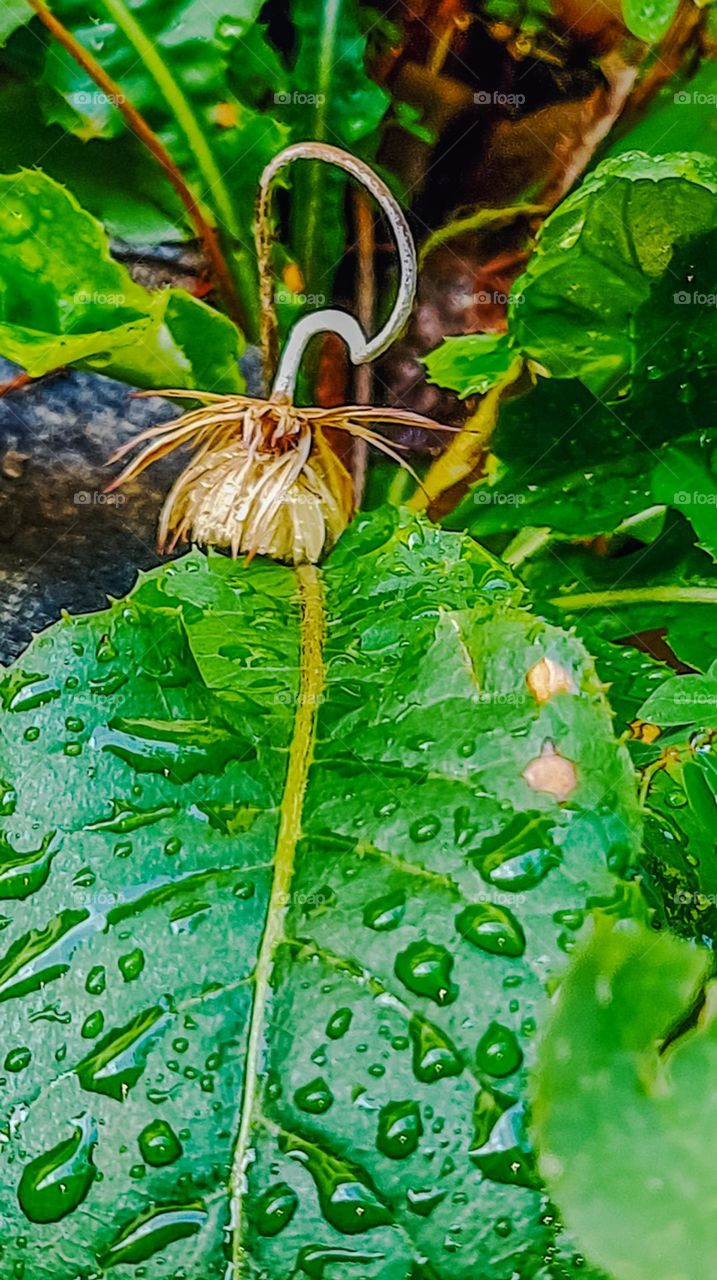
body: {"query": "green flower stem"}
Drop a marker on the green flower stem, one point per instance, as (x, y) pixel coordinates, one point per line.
(637, 595)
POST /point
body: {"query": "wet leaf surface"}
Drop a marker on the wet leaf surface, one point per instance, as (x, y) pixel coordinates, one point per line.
(433, 891)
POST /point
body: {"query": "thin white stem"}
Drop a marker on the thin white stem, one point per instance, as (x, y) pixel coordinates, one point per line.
(361, 349)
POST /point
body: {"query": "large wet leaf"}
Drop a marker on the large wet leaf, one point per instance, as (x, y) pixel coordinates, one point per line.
(290, 862)
(578, 465)
(625, 1109)
(64, 300)
(602, 286)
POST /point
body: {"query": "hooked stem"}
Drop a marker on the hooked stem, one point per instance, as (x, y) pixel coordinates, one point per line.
(361, 348)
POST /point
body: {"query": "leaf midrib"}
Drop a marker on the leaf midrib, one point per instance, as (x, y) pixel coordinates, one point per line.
(311, 683)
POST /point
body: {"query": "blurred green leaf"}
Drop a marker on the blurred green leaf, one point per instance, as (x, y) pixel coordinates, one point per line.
(684, 700)
(625, 1115)
(64, 300)
(14, 14)
(682, 114)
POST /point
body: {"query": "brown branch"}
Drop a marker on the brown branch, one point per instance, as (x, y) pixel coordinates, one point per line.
(146, 135)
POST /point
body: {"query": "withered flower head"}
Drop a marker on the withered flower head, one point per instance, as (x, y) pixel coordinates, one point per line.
(263, 479)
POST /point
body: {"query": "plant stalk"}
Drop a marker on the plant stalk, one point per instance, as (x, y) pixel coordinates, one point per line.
(637, 595)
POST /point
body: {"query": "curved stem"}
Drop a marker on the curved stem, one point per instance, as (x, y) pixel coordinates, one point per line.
(637, 595)
(361, 348)
(206, 232)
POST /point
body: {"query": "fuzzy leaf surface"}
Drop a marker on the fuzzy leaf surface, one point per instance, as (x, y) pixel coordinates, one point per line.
(624, 1115)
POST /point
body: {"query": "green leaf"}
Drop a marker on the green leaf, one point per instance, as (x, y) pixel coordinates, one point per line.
(624, 1115)
(618, 292)
(599, 255)
(682, 114)
(63, 300)
(686, 477)
(15, 13)
(649, 20)
(684, 700)
(117, 180)
(244, 99)
(288, 885)
(581, 465)
(670, 586)
(471, 364)
(170, 61)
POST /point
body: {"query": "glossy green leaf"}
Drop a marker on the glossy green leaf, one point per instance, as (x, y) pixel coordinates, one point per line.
(600, 254)
(686, 477)
(64, 300)
(584, 307)
(624, 1110)
(681, 114)
(649, 20)
(470, 364)
(685, 700)
(582, 466)
(669, 586)
(292, 861)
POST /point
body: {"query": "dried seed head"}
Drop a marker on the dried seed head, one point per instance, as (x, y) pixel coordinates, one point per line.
(290, 505)
(263, 479)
